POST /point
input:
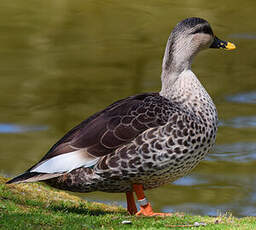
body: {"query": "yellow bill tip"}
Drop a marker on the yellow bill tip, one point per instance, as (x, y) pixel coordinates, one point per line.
(219, 44)
(230, 46)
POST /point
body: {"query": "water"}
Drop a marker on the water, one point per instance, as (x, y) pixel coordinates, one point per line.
(249, 97)
(11, 128)
(62, 61)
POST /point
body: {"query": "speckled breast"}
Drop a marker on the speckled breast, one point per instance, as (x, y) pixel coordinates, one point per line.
(160, 155)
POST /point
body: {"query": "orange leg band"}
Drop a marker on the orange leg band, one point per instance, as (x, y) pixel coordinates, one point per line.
(146, 208)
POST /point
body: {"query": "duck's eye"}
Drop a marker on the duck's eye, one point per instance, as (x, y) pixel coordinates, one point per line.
(203, 29)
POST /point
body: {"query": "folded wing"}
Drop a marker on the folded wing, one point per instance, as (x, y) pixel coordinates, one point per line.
(103, 133)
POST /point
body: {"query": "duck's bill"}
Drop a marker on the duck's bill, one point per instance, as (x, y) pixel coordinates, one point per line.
(219, 44)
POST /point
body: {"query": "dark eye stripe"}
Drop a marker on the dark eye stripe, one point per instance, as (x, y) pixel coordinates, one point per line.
(203, 29)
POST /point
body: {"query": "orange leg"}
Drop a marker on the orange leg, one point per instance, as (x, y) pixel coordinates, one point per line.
(145, 206)
(131, 205)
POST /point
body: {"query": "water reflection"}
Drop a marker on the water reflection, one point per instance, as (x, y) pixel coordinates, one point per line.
(11, 128)
(243, 36)
(240, 122)
(219, 197)
(191, 180)
(243, 98)
(235, 152)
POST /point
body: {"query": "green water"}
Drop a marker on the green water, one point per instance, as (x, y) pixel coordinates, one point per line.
(61, 61)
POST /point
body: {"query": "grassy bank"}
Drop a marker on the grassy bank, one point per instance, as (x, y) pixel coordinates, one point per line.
(37, 206)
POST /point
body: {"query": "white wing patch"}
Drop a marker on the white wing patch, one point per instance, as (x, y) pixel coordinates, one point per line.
(66, 162)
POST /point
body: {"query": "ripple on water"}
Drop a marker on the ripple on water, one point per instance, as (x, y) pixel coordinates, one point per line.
(243, 36)
(190, 180)
(240, 122)
(236, 152)
(11, 128)
(243, 98)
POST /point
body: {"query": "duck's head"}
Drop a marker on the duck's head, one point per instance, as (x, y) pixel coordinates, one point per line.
(186, 40)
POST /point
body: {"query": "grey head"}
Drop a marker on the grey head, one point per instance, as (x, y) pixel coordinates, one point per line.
(186, 40)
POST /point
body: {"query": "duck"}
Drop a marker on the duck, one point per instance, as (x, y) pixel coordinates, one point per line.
(143, 141)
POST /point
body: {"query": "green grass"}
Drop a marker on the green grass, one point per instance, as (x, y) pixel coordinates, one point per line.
(37, 206)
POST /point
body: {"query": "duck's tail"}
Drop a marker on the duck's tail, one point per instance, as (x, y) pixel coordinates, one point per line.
(32, 177)
(78, 180)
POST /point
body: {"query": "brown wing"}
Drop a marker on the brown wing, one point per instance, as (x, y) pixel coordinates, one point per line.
(118, 124)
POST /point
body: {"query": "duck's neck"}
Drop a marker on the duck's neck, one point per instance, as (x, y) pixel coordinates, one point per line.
(178, 56)
(186, 90)
(179, 83)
